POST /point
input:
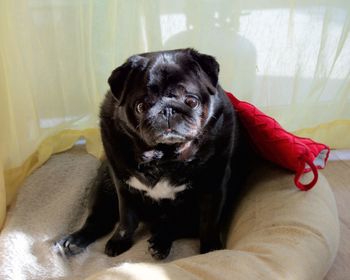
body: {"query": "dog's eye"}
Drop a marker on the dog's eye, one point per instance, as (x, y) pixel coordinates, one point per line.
(192, 101)
(140, 107)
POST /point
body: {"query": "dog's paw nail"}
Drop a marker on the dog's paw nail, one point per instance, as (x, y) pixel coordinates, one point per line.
(158, 250)
(158, 254)
(66, 246)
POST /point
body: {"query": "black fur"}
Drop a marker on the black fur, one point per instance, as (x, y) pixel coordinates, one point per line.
(201, 147)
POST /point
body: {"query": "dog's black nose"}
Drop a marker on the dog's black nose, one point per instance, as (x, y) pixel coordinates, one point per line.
(168, 112)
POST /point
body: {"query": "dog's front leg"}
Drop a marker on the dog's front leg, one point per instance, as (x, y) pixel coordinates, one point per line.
(122, 239)
(211, 204)
(210, 216)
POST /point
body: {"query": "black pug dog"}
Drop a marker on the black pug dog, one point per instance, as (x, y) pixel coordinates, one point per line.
(175, 155)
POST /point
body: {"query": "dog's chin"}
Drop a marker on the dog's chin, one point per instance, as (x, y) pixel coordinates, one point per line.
(170, 138)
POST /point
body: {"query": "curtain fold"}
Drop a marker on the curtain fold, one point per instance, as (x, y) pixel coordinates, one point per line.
(290, 58)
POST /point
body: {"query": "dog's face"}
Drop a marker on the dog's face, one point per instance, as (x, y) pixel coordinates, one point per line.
(166, 97)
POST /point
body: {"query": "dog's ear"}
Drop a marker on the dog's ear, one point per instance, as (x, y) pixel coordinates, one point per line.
(120, 76)
(117, 81)
(208, 64)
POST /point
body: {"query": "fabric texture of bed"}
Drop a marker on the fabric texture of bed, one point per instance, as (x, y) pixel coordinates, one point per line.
(277, 232)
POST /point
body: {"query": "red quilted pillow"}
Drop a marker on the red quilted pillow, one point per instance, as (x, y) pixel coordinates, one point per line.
(279, 146)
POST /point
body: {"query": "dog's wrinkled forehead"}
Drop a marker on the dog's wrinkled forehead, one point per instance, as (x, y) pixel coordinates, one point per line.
(162, 69)
(170, 69)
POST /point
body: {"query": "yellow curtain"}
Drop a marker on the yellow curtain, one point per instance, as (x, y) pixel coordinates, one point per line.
(290, 58)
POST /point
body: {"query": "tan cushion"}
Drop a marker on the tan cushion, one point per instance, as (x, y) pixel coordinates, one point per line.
(278, 232)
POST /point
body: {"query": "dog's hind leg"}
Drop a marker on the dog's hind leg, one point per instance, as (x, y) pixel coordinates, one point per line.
(102, 217)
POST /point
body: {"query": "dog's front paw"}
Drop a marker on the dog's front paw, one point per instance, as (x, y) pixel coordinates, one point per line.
(211, 245)
(115, 247)
(70, 245)
(159, 248)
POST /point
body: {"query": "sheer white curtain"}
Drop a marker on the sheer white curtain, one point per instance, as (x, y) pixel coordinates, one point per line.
(290, 58)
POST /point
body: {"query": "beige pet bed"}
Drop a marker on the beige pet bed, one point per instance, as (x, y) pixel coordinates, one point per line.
(278, 232)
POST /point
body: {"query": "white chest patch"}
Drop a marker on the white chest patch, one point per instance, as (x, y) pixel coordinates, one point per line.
(161, 190)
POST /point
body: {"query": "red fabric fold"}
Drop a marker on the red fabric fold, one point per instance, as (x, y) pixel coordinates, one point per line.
(275, 144)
